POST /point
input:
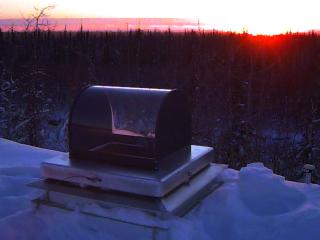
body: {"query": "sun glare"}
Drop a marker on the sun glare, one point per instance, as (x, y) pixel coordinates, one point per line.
(259, 26)
(266, 17)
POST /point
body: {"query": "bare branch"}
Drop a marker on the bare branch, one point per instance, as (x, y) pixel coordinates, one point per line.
(34, 20)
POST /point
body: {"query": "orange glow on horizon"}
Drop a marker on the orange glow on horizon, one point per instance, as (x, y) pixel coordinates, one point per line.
(255, 17)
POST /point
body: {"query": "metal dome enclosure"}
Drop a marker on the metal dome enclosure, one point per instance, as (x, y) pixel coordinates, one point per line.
(136, 127)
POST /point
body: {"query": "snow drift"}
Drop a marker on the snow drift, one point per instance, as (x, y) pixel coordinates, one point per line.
(253, 203)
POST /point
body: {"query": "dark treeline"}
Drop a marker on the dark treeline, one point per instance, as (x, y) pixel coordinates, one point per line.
(254, 98)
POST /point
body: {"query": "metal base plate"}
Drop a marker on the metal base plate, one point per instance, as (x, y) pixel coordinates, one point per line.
(177, 202)
(180, 167)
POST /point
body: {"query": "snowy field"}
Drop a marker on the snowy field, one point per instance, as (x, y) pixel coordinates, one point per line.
(252, 204)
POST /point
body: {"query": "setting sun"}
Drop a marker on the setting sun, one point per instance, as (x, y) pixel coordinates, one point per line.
(256, 17)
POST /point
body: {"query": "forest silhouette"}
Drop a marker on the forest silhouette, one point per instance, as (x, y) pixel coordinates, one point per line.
(253, 98)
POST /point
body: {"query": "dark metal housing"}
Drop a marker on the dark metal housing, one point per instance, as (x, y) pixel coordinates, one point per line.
(128, 126)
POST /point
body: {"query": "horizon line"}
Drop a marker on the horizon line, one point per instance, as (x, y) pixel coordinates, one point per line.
(105, 18)
(101, 24)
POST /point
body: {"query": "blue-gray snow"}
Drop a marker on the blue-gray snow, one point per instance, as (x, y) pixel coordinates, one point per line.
(253, 203)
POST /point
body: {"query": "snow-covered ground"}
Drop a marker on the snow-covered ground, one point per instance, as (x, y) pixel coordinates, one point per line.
(252, 204)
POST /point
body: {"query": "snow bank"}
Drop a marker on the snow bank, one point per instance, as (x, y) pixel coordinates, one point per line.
(19, 155)
(19, 164)
(258, 204)
(253, 203)
(269, 194)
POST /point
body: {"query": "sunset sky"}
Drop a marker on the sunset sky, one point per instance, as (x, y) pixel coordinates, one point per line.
(264, 16)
